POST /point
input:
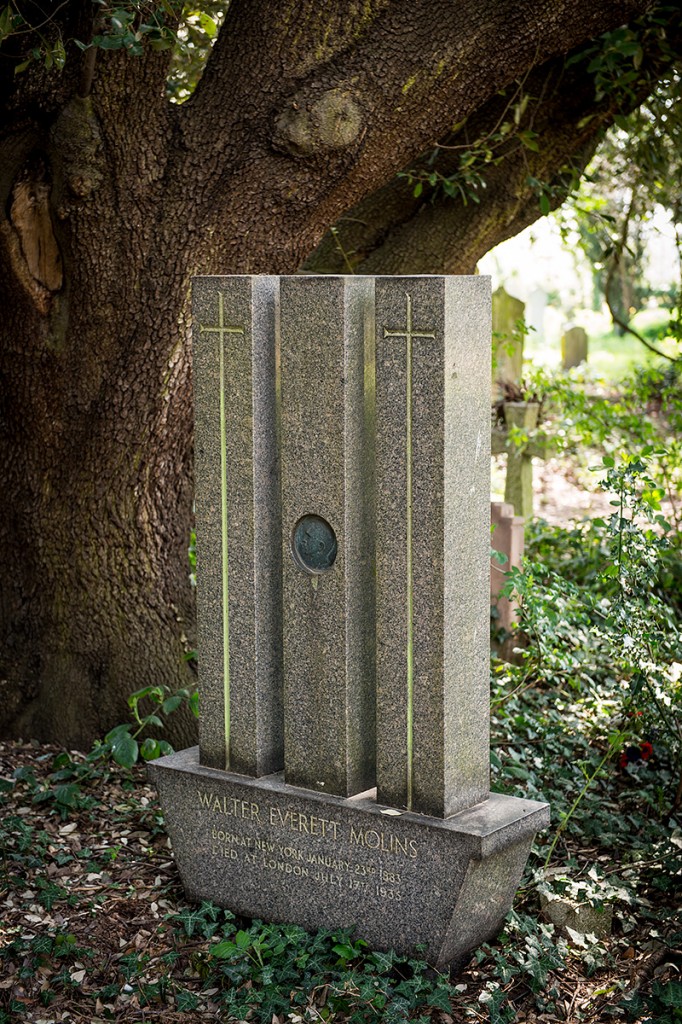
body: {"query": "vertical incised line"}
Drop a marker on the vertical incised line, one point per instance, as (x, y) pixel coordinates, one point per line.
(410, 616)
(223, 518)
(221, 330)
(408, 334)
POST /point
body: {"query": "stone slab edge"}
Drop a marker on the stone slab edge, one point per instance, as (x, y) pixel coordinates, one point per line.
(277, 852)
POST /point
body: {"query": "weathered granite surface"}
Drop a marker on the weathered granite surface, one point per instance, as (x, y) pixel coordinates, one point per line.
(328, 614)
(432, 541)
(265, 849)
(238, 522)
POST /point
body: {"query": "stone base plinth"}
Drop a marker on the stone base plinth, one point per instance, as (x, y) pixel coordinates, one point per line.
(268, 850)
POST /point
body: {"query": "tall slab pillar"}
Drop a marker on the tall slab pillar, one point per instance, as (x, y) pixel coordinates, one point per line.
(432, 542)
(327, 530)
(238, 522)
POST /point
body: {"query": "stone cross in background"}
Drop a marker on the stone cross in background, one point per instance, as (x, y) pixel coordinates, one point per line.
(521, 418)
(342, 466)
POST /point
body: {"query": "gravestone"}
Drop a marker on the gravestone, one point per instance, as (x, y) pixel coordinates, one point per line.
(515, 440)
(507, 341)
(535, 313)
(342, 465)
(573, 347)
(507, 539)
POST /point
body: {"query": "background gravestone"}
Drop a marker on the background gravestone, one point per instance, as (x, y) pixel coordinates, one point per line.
(507, 341)
(508, 539)
(343, 549)
(536, 307)
(573, 347)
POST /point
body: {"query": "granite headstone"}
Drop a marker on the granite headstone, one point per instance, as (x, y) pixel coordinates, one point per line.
(343, 438)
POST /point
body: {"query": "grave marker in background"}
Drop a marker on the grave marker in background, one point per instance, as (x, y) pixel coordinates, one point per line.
(343, 553)
(508, 538)
(507, 341)
(573, 347)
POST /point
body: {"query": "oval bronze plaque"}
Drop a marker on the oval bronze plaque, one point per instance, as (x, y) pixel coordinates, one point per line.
(314, 544)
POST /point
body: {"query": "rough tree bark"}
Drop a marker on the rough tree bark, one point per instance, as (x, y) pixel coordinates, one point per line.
(112, 199)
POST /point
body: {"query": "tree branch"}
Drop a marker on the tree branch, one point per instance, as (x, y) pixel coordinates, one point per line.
(319, 138)
(392, 231)
(614, 265)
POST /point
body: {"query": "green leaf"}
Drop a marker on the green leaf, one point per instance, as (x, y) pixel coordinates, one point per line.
(149, 750)
(545, 205)
(146, 691)
(223, 950)
(117, 732)
(5, 22)
(124, 750)
(185, 1000)
(59, 54)
(209, 26)
(418, 189)
(171, 703)
(152, 720)
(344, 951)
(107, 42)
(529, 141)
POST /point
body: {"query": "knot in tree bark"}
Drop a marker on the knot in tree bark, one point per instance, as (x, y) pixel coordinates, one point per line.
(333, 121)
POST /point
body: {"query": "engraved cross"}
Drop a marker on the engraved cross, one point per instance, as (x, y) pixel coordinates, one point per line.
(221, 330)
(408, 334)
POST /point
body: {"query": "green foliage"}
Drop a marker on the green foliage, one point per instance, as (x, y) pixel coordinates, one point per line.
(122, 741)
(267, 970)
(615, 625)
(664, 1003)
(627, 63)
(643, 413)
(65, 788)
(204, 920)
(196, 34)
(633, 173)
(186, 30)
(512, 132)
(130, 27)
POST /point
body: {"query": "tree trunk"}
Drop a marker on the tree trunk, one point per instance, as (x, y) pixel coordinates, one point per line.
(109, 201)
(95, 508)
